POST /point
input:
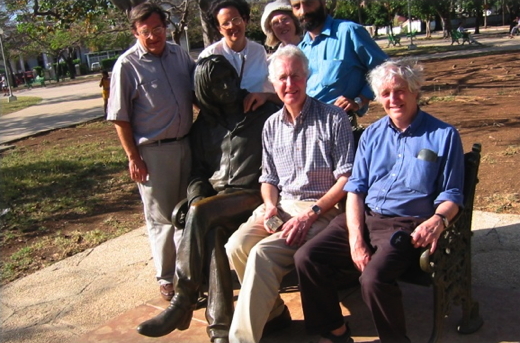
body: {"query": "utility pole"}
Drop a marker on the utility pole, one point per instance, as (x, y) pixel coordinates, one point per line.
(410, 31)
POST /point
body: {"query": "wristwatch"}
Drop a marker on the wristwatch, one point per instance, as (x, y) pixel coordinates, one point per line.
(316, 209)
(359, 102)
(445, 220)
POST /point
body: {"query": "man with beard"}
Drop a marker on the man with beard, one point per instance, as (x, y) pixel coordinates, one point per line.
(340, 54)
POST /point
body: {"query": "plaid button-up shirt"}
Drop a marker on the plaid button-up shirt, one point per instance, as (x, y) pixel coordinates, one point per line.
(305, 159)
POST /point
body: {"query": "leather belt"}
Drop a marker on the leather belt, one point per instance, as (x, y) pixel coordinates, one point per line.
(167, 140)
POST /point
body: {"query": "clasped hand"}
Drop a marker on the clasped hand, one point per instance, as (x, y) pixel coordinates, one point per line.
(294, 230)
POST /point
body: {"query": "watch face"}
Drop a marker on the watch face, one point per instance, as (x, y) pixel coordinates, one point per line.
(316, 209)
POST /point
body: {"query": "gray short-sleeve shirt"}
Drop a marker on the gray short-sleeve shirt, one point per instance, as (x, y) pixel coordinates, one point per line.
(153, 93)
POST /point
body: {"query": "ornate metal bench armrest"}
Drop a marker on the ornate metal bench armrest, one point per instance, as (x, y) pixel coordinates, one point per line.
(179, 214)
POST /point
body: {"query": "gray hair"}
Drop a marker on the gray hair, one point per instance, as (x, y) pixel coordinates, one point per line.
(288, 51)
(406, 69)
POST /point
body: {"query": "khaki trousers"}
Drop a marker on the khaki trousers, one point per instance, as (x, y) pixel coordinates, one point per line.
(261, 260)
(168, 167)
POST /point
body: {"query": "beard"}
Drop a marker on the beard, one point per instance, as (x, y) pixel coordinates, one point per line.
(313, 20)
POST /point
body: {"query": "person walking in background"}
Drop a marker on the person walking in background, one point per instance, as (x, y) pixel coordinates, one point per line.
(151, 105)
(515, 28)
(105, 93)
(4, 85)
(340, 55)
(280, 25)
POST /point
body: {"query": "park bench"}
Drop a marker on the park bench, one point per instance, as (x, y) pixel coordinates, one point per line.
(448, 269)
(392, 39)
(37, 80)
(457, 35)
(412, 34)
(41, 80)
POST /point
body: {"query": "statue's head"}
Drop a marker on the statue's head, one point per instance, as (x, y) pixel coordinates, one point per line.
(217, 85)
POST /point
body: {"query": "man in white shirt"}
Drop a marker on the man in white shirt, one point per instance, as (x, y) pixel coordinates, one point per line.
(249, 58)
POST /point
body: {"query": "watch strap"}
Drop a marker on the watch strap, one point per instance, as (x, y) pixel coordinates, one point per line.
(445, 220)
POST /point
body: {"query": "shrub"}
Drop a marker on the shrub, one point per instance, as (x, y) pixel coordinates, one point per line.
(38, 71)
(108, 63)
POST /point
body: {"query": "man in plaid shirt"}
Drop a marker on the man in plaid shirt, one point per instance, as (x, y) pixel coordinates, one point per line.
(307, 158)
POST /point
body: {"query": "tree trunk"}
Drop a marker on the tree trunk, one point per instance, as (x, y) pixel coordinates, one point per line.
(209, 35)
(478, 9)
(69, 61)
(428, 31)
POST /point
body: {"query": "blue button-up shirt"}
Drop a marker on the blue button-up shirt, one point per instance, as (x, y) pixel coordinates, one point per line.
(396, 180)
(340, 57)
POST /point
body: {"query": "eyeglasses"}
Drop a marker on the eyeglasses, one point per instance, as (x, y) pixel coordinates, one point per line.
(159, 30)
(229, 24)
(280, 22)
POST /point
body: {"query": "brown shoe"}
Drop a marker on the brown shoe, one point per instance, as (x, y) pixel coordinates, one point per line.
(166, 291)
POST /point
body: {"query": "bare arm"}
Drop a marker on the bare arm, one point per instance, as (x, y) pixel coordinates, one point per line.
(254, 100)
(349, 105)
(136, 165)
(431, 229)
(295, 230)
(355, 226)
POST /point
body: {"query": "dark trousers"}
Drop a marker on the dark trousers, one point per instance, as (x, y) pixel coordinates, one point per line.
(201, 255)
(317, 263)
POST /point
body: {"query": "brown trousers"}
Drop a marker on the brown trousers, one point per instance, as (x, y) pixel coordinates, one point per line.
(319, 261)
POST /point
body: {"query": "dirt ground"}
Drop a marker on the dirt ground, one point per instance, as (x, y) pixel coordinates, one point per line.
(478, 95)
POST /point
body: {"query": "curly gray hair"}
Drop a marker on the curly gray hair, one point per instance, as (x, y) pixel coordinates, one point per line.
(406, 69)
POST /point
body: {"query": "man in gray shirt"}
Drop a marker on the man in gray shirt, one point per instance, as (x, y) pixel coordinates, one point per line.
(151, 106)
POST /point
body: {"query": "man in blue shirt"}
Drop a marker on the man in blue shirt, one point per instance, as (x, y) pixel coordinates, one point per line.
(408, 176)
(340, 55)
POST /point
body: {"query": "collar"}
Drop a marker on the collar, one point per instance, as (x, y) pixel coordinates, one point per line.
(325, 31)
(414, 125)
(303, 113)
(228, 50)
(168, 49)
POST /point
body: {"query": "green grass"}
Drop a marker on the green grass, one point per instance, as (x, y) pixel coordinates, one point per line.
(18, 105)
(61, 179)
(59, 182)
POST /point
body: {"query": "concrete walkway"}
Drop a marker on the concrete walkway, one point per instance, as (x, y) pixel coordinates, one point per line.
(102, 294)
(61, 106)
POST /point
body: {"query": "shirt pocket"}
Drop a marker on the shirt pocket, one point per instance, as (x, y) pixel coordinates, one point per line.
(421, 175)
(329, 72)
(149, 94)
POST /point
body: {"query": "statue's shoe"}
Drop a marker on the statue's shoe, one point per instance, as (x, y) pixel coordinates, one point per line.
(174, 317)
